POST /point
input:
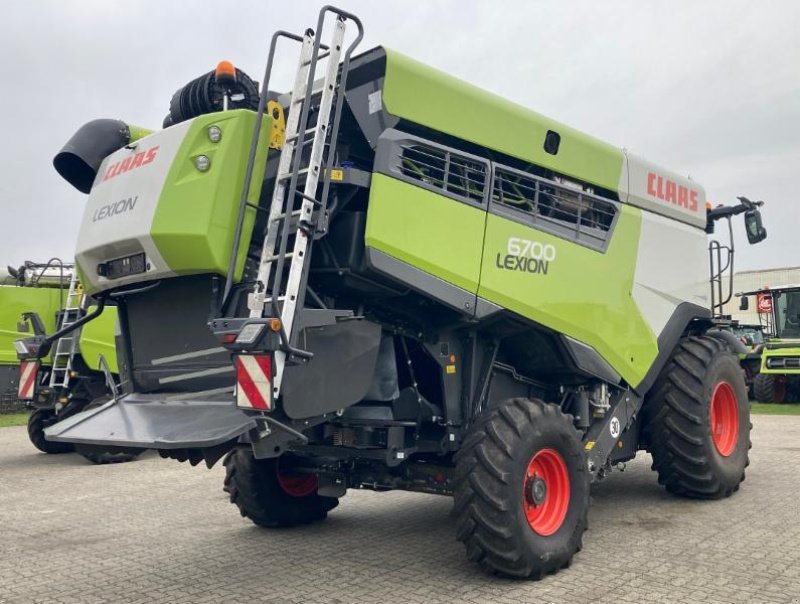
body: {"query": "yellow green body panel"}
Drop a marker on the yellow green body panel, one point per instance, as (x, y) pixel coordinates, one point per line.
(585, 293)
(137, 132)
(194, 222)
(786, 351)
(431, 232)
(154, 208)
(426, 96)
(46, 301)
(97, 337)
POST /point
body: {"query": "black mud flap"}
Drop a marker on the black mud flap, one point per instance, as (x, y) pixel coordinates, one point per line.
(141, 421)
(340, 373)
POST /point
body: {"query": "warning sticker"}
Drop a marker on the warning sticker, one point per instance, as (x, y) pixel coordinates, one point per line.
(374, 102)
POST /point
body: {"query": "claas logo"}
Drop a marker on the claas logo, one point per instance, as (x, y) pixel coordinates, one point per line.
(664, 189)
(142, 158)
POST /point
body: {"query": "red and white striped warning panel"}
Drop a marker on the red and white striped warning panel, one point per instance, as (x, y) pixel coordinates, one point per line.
(254, 382)
(28, 371)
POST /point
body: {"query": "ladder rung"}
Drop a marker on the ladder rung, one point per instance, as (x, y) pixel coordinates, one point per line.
(287, 175)
(276, 256)
(292, 214)
(320, 56)
(306, 132)
(314, 201)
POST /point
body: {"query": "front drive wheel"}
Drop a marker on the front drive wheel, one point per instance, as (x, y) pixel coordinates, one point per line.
(38, 420)
(768, 388)
(270, 493)
(698, 421)
(521, 490)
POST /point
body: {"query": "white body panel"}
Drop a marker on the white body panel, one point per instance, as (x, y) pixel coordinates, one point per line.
(121, 206)
(650, 187)
(671, 268)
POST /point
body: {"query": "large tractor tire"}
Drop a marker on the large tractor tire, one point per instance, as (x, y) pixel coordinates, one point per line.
(767, 388)
(37, 422)
(521, 490)
(697, 421)
(101, 455)
(107, 455)
(270, 494)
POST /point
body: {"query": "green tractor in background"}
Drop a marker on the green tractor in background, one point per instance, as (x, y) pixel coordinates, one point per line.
(778, 371)
(20, 291)
(79, 368)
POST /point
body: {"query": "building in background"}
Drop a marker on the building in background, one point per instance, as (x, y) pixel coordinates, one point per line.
(745, 281)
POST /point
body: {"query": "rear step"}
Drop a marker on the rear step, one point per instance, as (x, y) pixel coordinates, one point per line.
(145, 421)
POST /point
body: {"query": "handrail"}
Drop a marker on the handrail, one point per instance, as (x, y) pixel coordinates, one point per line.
(251, 160)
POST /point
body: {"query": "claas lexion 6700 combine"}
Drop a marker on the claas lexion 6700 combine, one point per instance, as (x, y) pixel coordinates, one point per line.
(390, 279)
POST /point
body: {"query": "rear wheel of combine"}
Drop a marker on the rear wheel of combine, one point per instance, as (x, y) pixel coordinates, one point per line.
(37, 422)
(769, 388)
(271, 494)
(101, 455)
(698, 421)
(521, 490)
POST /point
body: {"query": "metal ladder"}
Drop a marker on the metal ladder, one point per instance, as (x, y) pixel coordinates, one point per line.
(67, 345)
(286, 221)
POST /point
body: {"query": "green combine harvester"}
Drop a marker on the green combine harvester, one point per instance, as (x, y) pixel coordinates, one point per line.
(25, 289)
(777, 378)
(386, 278)
(79, 369)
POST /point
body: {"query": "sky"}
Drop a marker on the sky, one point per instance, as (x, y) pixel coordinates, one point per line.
(709, 89)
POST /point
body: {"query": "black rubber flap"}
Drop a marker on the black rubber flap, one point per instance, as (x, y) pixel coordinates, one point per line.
(339, 375)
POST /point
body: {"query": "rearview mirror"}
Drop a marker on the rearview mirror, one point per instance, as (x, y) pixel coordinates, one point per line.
(744, 303)
(23, 327)
(754, 227)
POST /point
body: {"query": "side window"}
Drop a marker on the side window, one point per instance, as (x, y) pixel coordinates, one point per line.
(559, 207)
(434, 167)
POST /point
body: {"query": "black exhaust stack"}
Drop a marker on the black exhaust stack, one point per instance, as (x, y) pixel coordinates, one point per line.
(79, 160)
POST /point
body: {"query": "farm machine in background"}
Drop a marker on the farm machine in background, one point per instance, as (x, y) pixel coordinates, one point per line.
(386, 278)
(777, 371)
(78, 369)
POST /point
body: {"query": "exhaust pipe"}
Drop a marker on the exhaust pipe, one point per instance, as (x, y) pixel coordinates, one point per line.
(79, 160)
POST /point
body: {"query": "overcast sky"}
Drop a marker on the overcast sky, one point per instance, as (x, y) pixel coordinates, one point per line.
(706, 88)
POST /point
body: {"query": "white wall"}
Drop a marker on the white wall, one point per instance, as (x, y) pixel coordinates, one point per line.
(752, 280)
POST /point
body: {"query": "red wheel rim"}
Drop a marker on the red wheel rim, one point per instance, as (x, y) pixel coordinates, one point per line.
(724, 418)
(297, 484)
(547, 477)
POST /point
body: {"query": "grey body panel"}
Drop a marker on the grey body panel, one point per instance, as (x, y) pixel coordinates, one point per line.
(590, 361)
(425, 283)
(9, 380)
(146, 422)
(340, 373)
(173, 350)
